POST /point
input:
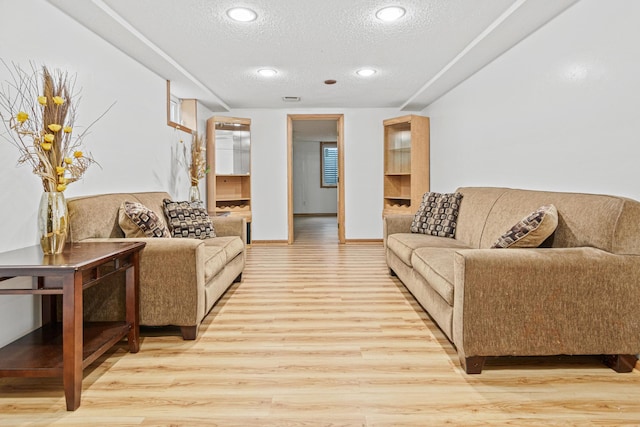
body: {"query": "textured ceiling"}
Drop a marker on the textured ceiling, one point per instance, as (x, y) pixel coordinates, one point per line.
(435, 46)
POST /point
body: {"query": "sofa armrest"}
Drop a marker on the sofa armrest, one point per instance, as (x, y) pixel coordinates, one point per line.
(545, 302)
(171, 280)
(396, 223)
(230, 226)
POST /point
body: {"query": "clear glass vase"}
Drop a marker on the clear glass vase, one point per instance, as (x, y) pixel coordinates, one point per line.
(52, 222)
(194, 193)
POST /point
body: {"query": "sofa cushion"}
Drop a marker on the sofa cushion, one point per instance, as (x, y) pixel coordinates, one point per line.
(478, 202)
(188, 219)
(600, 221)
(214, 261)
(436, 266)
(403, 244)
(531, 230)
(137, 220)
(232, 245)
(437, 214)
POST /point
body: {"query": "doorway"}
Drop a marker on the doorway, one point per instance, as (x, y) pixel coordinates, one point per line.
(338, 120)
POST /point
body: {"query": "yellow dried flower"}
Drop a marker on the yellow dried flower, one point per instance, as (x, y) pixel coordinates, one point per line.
(61, 187)
(38, 109)
(22, 117)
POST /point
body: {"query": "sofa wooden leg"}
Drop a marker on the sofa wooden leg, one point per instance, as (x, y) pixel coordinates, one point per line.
(621, 363)
(473, 365)
(392, 273)
(189, 332)
(238, 279)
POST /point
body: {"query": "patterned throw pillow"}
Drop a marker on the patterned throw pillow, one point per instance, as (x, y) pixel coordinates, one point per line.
(531, 230)
(188, 219)
(437, 215)
(137, 220)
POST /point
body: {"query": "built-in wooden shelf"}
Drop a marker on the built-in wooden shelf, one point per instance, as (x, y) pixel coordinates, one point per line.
(406, 163)
(229, 155)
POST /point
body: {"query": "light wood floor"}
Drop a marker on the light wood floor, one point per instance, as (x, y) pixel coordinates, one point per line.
(318, 334)
(315, 230)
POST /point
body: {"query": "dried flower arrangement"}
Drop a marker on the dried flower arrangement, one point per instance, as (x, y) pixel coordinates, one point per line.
(196, 161)
(38, 110)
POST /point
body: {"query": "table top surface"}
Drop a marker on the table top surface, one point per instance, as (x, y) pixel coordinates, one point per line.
(75, 256)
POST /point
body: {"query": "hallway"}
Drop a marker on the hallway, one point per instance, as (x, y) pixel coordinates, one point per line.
(318, 230)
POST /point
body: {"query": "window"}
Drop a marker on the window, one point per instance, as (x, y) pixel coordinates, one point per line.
(181, 113)
(329, 161)
(174, 110)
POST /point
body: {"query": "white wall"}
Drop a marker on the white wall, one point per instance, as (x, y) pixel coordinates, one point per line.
(556, 112)
(363, 137)
(309, 197)
(132, 143)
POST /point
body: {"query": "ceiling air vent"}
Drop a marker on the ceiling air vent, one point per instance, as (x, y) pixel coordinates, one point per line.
(291, 98)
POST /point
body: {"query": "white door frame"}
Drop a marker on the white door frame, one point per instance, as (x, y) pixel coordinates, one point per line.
(339, 118)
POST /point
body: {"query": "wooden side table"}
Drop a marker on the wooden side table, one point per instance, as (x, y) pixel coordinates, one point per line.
(65, 349)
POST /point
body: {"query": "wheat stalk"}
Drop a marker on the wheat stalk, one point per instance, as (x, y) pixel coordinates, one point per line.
(38, 110)
(195, 158)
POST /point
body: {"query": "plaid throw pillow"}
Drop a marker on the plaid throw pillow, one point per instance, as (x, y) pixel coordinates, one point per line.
(137, 220)
(188, 219)
(531, 230)
(437, 215)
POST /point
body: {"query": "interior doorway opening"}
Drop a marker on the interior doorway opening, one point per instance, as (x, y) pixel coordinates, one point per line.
(315, 173)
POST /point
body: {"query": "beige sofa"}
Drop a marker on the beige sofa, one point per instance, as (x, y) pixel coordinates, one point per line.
(180, 278)
(576, 294)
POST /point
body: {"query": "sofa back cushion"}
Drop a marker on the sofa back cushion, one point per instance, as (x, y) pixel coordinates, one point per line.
(606, 222)
(475, 206)
(97, 216)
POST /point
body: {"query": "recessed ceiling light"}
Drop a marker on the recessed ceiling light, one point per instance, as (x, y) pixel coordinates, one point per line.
(291, 98)
(242, 14)
(366, 72)
(391, 13)
(267, 72)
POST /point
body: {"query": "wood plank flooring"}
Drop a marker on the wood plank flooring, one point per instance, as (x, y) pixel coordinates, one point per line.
(314, 230)
(318, 334)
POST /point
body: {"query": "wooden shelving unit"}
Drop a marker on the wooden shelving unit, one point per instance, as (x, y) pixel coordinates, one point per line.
(406, 163)
(229, 155)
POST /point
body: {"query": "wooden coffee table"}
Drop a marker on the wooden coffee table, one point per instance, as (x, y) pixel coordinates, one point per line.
(65, 349)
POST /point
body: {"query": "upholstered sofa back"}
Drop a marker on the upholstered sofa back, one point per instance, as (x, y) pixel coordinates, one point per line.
(97, 216)
(605, 222)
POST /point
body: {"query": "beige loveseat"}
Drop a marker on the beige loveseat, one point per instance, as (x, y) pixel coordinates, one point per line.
(180, 278)
(578, 293)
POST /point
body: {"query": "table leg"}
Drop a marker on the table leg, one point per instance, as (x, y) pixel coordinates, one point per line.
(49, 314)
(132, 302)
(72, 339)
